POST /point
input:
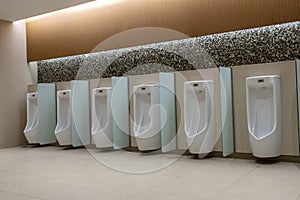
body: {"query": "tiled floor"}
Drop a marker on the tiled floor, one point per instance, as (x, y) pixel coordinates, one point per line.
(56, 174)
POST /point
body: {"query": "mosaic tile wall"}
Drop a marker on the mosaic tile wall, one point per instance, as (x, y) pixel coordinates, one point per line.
(260, 45)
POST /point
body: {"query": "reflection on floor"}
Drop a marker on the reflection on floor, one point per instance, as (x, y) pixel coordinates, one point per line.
(52, 173)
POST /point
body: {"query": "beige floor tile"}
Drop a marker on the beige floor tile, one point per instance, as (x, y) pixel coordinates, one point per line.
(158, 195)
(276, 181)
(210, 178)
(47, 189)
(56, 174)
(97, 192)
(11, 196)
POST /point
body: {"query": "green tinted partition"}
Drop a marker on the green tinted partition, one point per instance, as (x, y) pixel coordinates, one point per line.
(80, 104)
(120, 112)
(226, 111)
(298, 91)
(46, 113)
(168, 112)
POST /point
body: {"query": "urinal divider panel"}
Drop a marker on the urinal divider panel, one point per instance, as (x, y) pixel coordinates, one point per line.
(168, 103)
(120, 112)
(298, 97)
(226, 111)
(46, 113)
(80, 105)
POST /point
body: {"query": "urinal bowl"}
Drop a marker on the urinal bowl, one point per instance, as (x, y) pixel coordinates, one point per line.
(103, 139)
(147, 117)
(147, 143)
(268, 147)
(32, 136)
(64, 137)
(199, 116)
(63, 130)
(202, 143)
(264, 115)
(31, 129)
(102, 117)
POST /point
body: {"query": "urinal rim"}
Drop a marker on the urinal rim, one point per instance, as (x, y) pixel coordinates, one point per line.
(59, 131)
(101, 130)
(100, 88)
(206, 127)
(275, 126)
(276, 76)
(265, 136)
(26, 131)
(200, 81)
(29, 129)
(135, 87)
(32, 93)
(62, 91)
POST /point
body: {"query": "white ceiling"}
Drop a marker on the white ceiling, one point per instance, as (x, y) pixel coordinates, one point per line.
(13, 10)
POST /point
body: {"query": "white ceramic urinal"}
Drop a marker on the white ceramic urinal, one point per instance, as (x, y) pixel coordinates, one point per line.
(147, 117)
(63, 130)
(102, 117)
(199, 116)
(31, 129)
(264, 115)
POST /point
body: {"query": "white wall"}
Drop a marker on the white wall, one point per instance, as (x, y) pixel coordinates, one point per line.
(14, 77)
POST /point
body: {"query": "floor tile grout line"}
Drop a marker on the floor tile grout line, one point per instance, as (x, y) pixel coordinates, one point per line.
(140, 193)
(155, 186)
(19, 194)
(298, 197)
(240, 178)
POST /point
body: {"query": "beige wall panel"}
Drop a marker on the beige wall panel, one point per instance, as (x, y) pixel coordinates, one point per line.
(205, 74)
(97, 83)
(14, 79)
(287, 73)
(32, 88)
(77, 32)
(133, 81)
(63, 86)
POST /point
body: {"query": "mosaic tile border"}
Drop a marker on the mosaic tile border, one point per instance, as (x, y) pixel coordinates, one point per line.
(252, 46)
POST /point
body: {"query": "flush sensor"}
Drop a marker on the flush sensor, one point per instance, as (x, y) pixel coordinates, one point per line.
(260, 80)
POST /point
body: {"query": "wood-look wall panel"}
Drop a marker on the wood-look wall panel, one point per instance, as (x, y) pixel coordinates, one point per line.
(78, 32)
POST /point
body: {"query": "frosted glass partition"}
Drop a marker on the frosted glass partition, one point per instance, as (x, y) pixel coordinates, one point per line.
(46, 113)
(80, 104)
(298, 93)
(120, 112)
(168, 112)
(226, 111)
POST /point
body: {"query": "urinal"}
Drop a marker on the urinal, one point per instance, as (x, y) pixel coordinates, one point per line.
(63, 130)
(264, 115)
(147, 117)
(102, 117)
(199, 116)
(31, 129)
